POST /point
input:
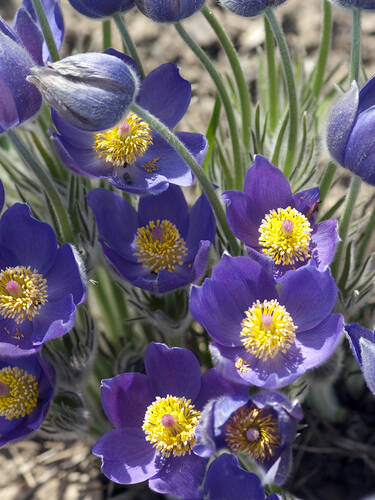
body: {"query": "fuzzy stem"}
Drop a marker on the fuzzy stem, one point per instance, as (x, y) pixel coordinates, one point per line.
(325, 43)
(107, 34)
(273, 103)
(128, 42)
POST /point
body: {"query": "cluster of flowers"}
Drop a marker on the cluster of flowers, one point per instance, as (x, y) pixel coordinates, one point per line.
(269, 313)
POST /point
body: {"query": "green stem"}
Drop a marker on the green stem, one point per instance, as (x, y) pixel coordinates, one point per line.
(325, 43)
(370, 228)
(45, 181)
(107, 34)
(128, 42)
(273, 102)
(195, 167)
(344, 223)
(228, 106)
(291, 87)
(237, 72)
(326, 180)
(356, 45)
(43, 21)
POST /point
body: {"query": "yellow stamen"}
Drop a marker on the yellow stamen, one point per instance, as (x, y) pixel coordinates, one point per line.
(19, 394)
(169, 425)
(253, 431)
(285, 236)
(124, 143)
(160, 246)
(267, 329)
(22, 293)
(150, 166)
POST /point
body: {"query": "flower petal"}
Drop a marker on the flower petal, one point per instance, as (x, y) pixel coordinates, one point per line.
(355, 333)
(323, 244)
(368, 362)
(55, 319)
(242, 219)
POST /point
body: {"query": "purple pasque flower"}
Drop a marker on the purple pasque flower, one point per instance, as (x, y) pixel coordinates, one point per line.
(362, 342)
(155, 416)
(249, 8)
(226, 480)
(40, 284)
(168, 11)
(133, 156)
(269, 219)
(267, 332)
(350, 131)
(26, 389)
(23, 47)
(101, 8)
(161, 247)
(262, 427)
(362, 4)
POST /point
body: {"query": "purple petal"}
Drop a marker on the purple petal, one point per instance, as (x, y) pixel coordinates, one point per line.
(323, 244)
(167, 281)
(116, 220)
(355, 333)
(366, 96)
(202, 225)
(196, 143)
(306, 200)
(173, 371)
(308, 295)
(225, 366)
(181, 477)
(29, 34)
(340, 123)
(55, 319)
(64, 276)
(368, 362)
(125, 399)
(242, 219)
(127, 59)
(31, 241)
(200, 261)
(170, 205)
(267, 187)
(127, 457)
(165, 94)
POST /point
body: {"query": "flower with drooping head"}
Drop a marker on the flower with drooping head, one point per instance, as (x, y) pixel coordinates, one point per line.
(155, 416)
(133, 156)
(350, 4)
(226, 480)
(249, 8)
(162, 246)
(92, 91)
(101, 8)
(362, 342)
(269, 219)
(23, 47)
(262, 427)
(267, 332)
(350, 131)
(40, 284)
(26, 388)
(168, 11)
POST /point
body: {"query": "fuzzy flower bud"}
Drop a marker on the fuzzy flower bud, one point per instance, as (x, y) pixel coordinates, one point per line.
(91, 91)
(249, 8)
(168, 11)
(351, 4)
(101, 8)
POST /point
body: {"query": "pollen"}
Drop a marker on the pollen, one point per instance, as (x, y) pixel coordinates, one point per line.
(267, 329)
(22, 293)
(285, 236)
(18, 392)
(124, 143)
(169, 425)
(253, 431)
(159, 246)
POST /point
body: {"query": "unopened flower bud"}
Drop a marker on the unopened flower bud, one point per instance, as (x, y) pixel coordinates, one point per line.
(249, 8)
(92, 91)
(101, 8)
(168, 11)
(351, 4)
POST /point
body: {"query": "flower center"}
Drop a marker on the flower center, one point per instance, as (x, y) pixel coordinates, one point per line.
(267, 329)
(169, 425)
(285, 236)
(124, 143)
(160, 246)
(253, 431)
(18, 392)
(22, 293)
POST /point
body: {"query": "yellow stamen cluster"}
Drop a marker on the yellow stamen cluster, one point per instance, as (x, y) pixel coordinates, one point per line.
(22, 293)
(258, 424)
(123, 145)
(169, 425)
(267, 329)
(21, 395)
(160, 246)
(285, 236)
